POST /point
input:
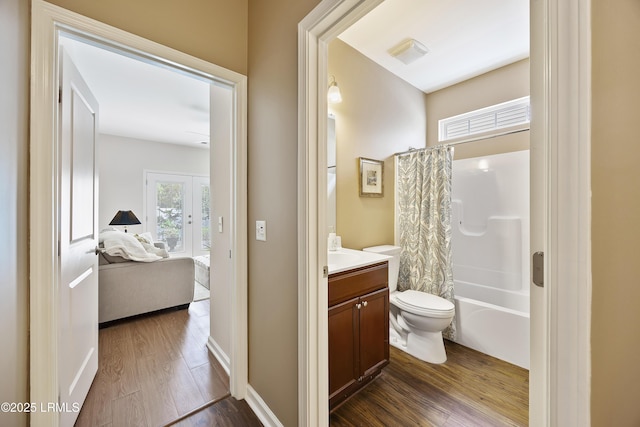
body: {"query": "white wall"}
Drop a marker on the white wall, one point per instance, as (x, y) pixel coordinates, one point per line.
(221, 127)
(122, 164)
(14, 214)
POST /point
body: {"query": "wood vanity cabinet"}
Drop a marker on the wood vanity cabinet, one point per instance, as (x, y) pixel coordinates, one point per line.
(358, 329)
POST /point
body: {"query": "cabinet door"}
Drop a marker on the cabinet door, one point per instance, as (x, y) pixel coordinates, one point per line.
(374, 331)
(343, 346)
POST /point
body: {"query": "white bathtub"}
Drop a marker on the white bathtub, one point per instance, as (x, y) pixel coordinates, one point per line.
(493, 321)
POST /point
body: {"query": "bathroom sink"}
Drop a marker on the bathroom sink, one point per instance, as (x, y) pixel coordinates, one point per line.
(342, 258)
(346, 259)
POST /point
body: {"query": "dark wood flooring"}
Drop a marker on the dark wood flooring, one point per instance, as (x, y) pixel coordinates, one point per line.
(470, 389)
(154, 370)
(226, 413)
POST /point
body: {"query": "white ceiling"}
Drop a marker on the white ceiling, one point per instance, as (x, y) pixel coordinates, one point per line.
(465, 37)
(141, 100)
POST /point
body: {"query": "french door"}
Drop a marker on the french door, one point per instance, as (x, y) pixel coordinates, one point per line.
(177, 212)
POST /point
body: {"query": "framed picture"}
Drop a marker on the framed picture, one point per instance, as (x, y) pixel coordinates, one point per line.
(371, 175)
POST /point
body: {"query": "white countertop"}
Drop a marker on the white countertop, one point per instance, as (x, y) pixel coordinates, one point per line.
(347, 259)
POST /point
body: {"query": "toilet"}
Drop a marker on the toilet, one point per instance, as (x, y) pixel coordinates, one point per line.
(416, 319)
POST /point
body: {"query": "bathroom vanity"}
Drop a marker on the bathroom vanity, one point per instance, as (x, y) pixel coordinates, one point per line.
(358, 325)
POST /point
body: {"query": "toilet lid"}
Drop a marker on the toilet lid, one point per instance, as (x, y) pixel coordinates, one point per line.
(424, 301)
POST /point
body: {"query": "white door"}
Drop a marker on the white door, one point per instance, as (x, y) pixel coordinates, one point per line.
(78, 293)
(177, 212)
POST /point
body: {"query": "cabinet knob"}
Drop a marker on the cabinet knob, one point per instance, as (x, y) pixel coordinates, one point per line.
(358, 306)
(364, 303)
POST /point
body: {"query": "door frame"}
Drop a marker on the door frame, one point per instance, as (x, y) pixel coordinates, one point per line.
(46, 20)
(561, 60)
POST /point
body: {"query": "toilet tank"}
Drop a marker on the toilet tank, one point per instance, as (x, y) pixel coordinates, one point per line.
(394, 263)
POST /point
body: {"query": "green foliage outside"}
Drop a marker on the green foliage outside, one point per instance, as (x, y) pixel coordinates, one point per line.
(169, 211)
(170, 215)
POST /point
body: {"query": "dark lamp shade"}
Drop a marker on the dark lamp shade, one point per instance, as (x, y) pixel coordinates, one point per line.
(125, 218)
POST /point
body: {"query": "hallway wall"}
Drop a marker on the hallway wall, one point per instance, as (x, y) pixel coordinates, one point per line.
(273, 189)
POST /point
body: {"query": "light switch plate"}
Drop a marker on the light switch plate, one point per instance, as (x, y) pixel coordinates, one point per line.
(219, 224)
(261, 230)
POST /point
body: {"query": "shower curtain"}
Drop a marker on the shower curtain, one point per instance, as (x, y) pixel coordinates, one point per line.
(424, 192)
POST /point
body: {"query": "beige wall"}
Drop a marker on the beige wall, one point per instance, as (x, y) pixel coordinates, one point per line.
(379, 116)
(273, 183)
(501, 85)
(14, 214)
(213, 30)
(615, 180)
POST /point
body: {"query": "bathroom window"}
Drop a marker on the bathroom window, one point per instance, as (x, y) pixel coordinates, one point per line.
(514, 114)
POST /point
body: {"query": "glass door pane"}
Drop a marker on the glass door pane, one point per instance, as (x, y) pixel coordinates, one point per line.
(169, 211)
(170, 215)
(202, 216)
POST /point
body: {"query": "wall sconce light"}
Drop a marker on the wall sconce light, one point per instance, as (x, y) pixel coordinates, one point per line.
(125, 218)
(333, 94)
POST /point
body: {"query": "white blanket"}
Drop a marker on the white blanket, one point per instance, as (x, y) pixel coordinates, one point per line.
(117, 243)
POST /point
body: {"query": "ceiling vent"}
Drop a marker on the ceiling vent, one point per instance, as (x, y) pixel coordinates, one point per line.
(409, 51)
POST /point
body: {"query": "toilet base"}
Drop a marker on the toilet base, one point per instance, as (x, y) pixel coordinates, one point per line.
(428, 347)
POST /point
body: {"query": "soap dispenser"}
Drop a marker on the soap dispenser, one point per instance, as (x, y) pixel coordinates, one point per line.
(332, 243)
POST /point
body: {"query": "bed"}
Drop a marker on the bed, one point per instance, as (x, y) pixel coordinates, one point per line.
(202, 270)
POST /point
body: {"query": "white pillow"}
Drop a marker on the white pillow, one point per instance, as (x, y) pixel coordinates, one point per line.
(145, 237)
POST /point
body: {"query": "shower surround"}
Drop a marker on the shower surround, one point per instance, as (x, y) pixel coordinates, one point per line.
(490, 241)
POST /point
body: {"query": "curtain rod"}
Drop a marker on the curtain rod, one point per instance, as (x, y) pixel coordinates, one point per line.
(465, 141)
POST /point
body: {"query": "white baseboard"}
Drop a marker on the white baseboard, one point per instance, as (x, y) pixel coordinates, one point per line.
(255, 402)
(220, 355)
(261, 409)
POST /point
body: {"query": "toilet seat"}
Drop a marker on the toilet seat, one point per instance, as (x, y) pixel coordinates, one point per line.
(423, 304)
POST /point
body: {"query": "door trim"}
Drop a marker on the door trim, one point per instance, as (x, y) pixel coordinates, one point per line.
(561, 37)
(321, 25)
(564, 46)
(46, 20)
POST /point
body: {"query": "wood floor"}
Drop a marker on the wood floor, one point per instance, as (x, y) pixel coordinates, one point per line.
(156, 371)
(470, 389)
(153, 370)
(226, 413)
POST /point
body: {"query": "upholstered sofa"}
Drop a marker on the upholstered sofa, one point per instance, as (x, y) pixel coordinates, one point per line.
(127, 288)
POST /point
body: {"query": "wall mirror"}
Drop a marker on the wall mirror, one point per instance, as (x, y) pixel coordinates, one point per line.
(331, 172)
